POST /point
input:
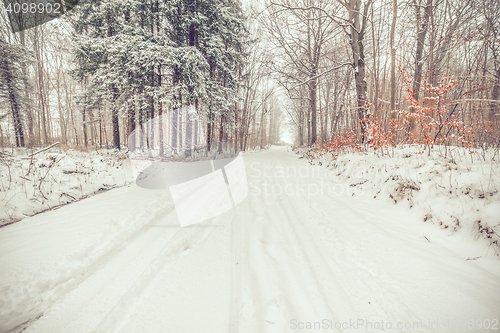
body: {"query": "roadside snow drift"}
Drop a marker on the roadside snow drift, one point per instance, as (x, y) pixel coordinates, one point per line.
(455, 190)
(44, 181)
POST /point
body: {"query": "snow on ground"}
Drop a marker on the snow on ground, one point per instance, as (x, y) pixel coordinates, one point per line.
(29, 185)
(43, 257)
(453, 189)
(303, 250)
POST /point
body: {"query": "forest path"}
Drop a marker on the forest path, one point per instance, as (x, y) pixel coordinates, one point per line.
(299, 250)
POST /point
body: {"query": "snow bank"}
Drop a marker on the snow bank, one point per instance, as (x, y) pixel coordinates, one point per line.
(29, 185)
(456, 190)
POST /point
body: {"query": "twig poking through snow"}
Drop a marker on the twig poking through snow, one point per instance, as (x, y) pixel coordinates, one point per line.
(44, 149)
(69, 195)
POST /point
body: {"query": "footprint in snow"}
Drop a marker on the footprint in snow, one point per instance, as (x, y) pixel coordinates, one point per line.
(273, 311)
(186, 248)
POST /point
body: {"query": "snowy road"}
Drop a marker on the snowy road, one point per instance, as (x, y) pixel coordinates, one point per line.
(292, 254)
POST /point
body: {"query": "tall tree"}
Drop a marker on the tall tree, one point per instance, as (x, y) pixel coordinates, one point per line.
(393, 58)
(12, 84)
(422, 27)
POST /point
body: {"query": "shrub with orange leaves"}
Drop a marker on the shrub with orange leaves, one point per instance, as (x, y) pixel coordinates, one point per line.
(378, 138)
(337, 145)
(434, 122)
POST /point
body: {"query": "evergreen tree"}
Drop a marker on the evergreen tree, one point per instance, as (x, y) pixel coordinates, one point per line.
(217, 30)
(126, 48)
(12, 84)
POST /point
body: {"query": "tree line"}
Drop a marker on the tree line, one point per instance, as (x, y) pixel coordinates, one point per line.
(108, 67)
(417, 71)
(378, 68)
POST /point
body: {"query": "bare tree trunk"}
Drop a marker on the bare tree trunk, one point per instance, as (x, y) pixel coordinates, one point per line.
(301, 128)
(1, 136)
(181, 136)
(357, 36)
(41, 89)
(62, 123)
(495, 94)
(421, 33)
(11, 91)
(14, 106)
(263, 126)
(236, 124)
(160, 109)
(131, 124)
(376, 62)
(84, 115)
(210, 111)
(393, 59)
(114, 96)
(312, 100)
(29, 110)
(308, 124)
(221, 133)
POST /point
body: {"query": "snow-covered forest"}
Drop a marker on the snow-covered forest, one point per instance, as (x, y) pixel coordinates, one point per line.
(92, 76)
(250, 166)
(418, 71)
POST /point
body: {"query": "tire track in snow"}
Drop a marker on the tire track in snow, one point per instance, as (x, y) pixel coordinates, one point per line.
(402, 274)
(236, 264)
(335, 301)
(117, 317)
(278, 265)
(351, 271)
(119, 277)
(370, 289)
(367, 280)
(340, 285)
(90, 260)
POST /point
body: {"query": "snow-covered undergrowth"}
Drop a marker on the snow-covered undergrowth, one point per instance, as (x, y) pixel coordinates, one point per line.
(49, 179)
(451, 188)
